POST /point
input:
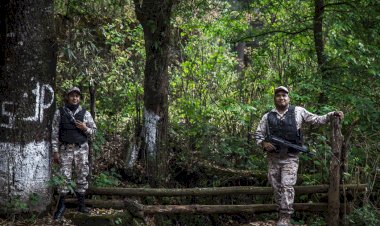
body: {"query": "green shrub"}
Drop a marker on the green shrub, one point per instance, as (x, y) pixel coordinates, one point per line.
(107, 179)
(366, 215)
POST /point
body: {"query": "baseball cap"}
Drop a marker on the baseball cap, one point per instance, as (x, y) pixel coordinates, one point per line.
(74, 89)
(281, 88)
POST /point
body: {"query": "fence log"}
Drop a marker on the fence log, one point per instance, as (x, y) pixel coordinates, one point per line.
(227, 209)
(333, 193)
(139, 209)
(159, 192)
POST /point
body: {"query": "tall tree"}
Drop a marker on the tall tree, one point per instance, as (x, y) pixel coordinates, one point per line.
(28, 61)
(318, 33)
(154, 17)
(319, 43)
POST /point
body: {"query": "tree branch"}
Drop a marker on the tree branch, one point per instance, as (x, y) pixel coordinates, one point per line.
(338, 4)
(272, 32)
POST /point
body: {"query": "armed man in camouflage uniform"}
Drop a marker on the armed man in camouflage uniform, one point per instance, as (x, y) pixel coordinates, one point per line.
(72, 127)
(285, 121)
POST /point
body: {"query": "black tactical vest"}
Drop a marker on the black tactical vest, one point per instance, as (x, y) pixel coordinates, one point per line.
(285, 128)
(68, 132)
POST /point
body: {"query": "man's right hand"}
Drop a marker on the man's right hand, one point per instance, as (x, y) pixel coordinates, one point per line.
(268, 146)
(56, 157)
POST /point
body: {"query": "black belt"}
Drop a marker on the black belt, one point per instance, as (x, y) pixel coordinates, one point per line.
(68, 145)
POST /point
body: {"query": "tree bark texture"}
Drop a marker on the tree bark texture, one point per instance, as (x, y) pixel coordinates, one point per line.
(333, 193)
(92, 91)
(154, 17)
(318, 32)
(320, 46)
(27, 73)
(238, 190)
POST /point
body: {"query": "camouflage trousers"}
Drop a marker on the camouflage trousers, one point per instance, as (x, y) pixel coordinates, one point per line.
(78, 155)
(282, 175)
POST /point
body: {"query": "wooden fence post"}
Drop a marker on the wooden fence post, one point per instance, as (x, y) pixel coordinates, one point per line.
(333, 193)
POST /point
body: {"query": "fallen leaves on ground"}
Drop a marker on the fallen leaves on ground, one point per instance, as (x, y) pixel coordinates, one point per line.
(102, 212)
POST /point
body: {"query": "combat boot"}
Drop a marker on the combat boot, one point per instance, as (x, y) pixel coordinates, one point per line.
(60, 208)
(81, 206)
(283, 220)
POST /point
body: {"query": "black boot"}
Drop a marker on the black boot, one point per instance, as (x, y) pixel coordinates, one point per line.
(60, 208)
(81, 206)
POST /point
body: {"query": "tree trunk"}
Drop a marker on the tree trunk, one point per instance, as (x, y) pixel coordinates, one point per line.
(27, 73)
(320, 45)
(92, 91)
(154, 17)
(318, 32)
(333, 193)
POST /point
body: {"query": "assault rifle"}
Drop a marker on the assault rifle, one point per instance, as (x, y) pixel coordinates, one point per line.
(71, 116)
(284, 143)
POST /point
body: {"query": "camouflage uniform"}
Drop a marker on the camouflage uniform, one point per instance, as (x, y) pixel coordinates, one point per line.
(73, 153)
(283, 166)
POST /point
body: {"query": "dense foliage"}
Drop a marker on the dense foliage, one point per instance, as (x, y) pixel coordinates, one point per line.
(216, 98)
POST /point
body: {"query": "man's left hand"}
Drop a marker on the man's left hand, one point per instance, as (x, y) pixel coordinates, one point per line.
(339, 114)
(81, 125)
(56, 158)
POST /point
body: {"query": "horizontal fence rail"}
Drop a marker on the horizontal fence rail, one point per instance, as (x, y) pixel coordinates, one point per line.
(249, 190)
(127, 202)
(139, 209)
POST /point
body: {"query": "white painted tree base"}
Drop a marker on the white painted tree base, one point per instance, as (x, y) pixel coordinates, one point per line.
(150, 128)
(25, 172)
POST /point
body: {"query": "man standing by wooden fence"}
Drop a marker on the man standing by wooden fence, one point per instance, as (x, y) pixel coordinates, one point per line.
(279, 133)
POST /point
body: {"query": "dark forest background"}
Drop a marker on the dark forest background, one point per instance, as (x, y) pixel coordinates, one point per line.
(209, 72)
(225, 58)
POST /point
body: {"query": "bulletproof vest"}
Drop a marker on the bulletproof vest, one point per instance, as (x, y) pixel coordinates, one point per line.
(285, 128)
(68, 132)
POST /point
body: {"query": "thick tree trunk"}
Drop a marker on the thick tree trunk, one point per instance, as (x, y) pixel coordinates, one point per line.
(318, 32)
(333, 193)
(154, 17)
(320, 45)
(26, 97)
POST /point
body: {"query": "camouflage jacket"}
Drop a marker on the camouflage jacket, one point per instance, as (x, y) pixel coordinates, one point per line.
(90, 132)
(302, 116)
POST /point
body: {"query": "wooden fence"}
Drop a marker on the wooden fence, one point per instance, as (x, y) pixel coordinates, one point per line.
(332, 206)
(129, 202)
